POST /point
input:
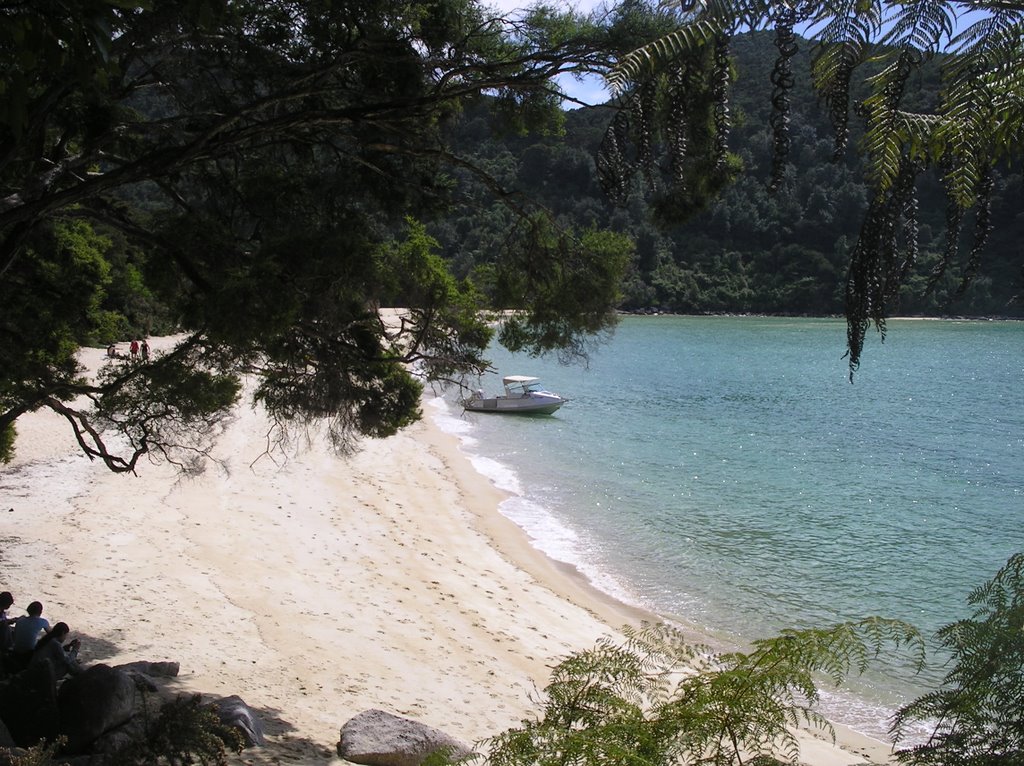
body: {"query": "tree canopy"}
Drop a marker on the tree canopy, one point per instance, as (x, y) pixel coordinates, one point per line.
(257, 168)
(748, 249)
(264, 175)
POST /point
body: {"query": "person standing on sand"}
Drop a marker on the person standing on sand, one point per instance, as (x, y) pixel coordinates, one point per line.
(144, 349)
(134, 349)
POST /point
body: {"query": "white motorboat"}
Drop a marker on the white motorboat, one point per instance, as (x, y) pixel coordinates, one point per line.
(523, 396)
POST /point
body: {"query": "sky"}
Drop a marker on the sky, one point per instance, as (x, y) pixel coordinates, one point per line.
(590, 90)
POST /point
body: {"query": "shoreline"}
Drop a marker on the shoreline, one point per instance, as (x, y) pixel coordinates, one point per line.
(838, 317)
(850, 748)
(315, 588)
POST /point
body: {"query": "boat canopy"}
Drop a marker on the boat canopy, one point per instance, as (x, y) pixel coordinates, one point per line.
(520, 380)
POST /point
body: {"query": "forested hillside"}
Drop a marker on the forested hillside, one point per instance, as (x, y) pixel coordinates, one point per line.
(749, 250)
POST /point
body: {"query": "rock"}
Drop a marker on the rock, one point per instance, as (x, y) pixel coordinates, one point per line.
(143, 673)
(376, 738)
(12, 756)
(119, 738)
(93, 702)
(151, 669)
(6, 740)
(234, 712)
(28, 705)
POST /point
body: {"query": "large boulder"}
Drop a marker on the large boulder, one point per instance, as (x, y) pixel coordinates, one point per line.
(28, 705)
(376, 738)
(6, 740)
(143, 673)
(93, 702)
(113, 740)
(151, 669)
(232, 711)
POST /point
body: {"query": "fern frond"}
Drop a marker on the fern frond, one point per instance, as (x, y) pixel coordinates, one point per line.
(721, 79)
(982, 227)
(986, 32)
(876, 258)
(978, 714)
(843, 42)
(784, 18)
(614, 170)
(656, 55)
(883, 143)
(922, 25)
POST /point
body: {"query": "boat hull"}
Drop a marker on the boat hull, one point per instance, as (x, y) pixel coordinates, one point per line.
(513, 406)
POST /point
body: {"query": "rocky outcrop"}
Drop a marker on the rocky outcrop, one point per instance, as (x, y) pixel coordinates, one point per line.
(6, 740)
(28, 705)
(99, 711)
(93, 702)
(232, 711)
(144, 673)
(150, 669)
(377, 738)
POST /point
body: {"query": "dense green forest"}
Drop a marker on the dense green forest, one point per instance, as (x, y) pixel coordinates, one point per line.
(749, 250)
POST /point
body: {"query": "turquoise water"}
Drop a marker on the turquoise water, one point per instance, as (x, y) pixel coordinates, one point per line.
(724, 472)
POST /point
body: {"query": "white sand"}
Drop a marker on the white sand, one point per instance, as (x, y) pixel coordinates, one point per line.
(313, 589)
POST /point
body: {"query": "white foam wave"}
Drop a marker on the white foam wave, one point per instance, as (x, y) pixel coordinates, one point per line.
(547, 533)
(503, 477)
(449, 422)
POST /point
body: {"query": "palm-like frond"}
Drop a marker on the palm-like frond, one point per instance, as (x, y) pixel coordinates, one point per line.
(844, 39)
(657, 54)
(923, 25)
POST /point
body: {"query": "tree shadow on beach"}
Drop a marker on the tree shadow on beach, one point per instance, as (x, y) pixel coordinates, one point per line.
(282, 742)
(282, 745)
(95, 649)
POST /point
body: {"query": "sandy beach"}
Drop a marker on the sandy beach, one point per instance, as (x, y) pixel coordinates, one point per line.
(314, 587)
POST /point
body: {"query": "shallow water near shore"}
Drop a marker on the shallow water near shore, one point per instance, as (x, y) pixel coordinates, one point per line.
(724, 472)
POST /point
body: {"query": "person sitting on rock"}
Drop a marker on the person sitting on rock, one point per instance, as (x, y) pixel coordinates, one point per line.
(28, 629)
(26, 633)
(51, 649)
(6, 622)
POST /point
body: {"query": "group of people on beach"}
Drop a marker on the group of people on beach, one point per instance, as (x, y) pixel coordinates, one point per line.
(137, 350)
(28, 640)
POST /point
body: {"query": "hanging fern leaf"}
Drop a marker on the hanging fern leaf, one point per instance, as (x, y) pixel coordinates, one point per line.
(656, 55)
(982, 228)
(872, 282)
(721, 79)
(643, 106)
(782, 83)
(613, 169)
(979, 120)
(677, 126)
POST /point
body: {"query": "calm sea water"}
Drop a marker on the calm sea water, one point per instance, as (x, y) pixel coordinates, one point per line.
(724, 472)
